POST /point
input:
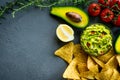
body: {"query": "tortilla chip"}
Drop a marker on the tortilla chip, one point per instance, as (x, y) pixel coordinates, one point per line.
(66, 52)
(112, 63)
(83, 78)
(87, 74)
(84, 67)
(118, 59)
(92, 66)
(78, 52)
(118, 78)
(73, 79)
(81, 67)
(115, 75)
(71, 71)
(105, 74)
(81, 58)
(100, 63)
(104, 58)
(78, 48)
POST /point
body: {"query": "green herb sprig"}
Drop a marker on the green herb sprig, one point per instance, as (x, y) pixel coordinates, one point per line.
(18, 5)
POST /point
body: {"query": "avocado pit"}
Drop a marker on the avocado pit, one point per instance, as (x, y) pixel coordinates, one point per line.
(74, 17)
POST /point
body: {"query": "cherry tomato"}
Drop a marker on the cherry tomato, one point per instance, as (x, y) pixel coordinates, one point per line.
(107, 15)
(115, 4)
(116, 21)
(104, 3)
(94, 9)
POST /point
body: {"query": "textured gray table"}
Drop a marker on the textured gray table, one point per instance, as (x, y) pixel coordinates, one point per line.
(27, 45)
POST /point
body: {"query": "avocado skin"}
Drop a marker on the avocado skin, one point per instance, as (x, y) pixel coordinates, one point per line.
(61, 13)
(117, 45)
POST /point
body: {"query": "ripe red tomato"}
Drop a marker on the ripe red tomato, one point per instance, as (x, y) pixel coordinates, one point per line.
(116, 21)
(115, 4)
(105, 3)
(94, 9)
(107, 15)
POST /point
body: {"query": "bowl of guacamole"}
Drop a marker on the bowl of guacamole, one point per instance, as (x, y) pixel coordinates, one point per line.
(96, 39)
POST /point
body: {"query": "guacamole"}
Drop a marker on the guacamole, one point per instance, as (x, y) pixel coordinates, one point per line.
(96, 39)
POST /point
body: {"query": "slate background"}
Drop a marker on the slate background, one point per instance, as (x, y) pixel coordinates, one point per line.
(27, 45)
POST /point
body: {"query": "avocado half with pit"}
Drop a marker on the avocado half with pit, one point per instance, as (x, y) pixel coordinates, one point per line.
(117, 45)
(96, 39)
(72, 15)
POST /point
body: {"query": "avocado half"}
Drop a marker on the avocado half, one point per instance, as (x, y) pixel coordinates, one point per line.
(117, 45)
(61, 12)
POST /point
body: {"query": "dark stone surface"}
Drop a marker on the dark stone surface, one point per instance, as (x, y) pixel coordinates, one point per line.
(27, 45)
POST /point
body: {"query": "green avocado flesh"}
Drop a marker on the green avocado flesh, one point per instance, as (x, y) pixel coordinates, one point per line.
(117, 45)
(61, 12)
(96, 39)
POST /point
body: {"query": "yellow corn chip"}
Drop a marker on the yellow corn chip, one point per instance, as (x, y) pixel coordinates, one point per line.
(105, 74)
(66, 52)
(87, 75)
(115, 75)
(81, 67)
(73, 79)
(92, 66)
(118, 59)
(100, 63)
(71, 71)
(112, 63)
(81, 58)
(118, 78)
(83, 78)
(84, 67)
(78, 52)
(104, 58)
(78, 48)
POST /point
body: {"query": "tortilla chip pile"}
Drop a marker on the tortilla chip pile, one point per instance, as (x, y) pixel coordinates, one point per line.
(84, 67)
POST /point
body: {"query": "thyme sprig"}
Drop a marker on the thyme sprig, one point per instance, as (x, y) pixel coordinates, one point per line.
(6, 8)
(18, 5)
(22, 6)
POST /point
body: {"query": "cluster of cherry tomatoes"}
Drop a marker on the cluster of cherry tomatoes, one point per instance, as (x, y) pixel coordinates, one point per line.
(109, 11)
